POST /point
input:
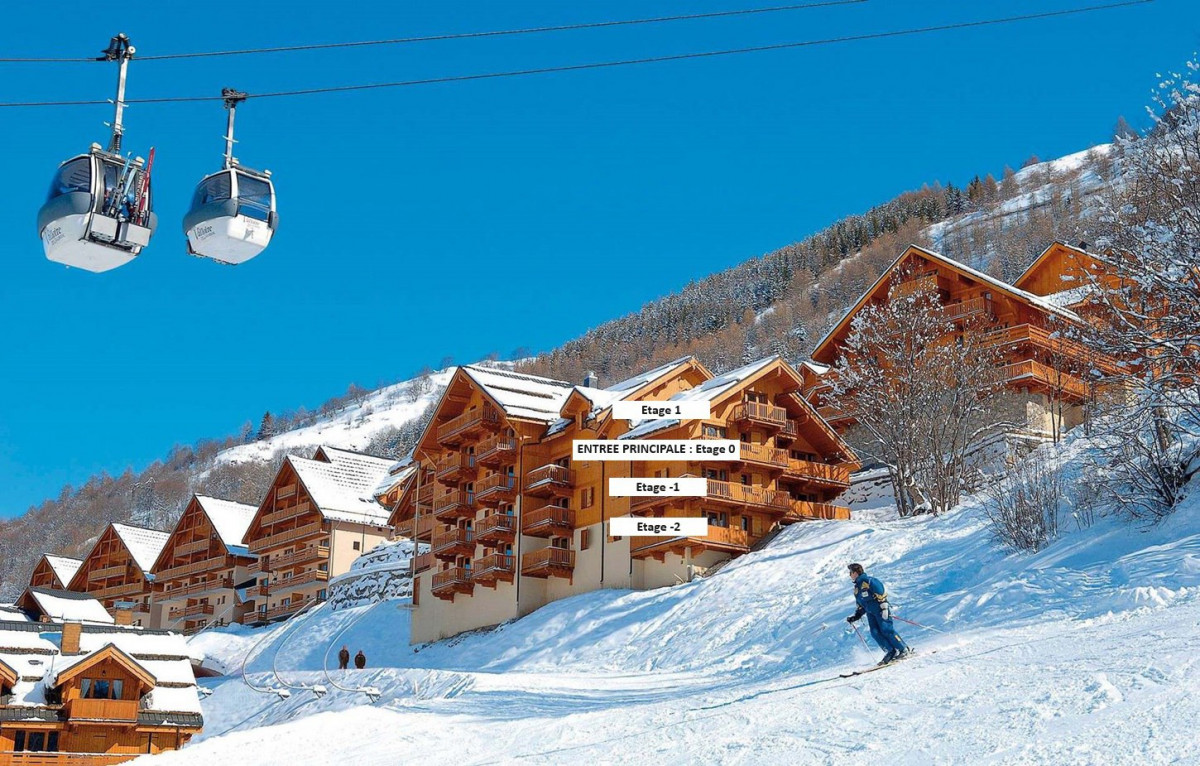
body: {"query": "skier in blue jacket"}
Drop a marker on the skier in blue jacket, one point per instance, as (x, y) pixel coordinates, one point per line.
(872, 601)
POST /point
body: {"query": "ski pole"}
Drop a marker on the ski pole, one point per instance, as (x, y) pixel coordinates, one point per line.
(919, 625)
(858, 633)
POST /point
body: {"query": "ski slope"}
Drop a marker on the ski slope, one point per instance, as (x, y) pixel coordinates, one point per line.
(1083, 653)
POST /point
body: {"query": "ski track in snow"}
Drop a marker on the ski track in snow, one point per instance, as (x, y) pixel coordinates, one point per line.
(1083, 653)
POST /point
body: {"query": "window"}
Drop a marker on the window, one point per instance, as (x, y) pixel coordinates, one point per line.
(75, 176)
(745, 523)
(585, 539)
(35, 741)
(213, 189)
(559, 542)
(716, 432)
(254, 197)
(101, 689)
(588, 497)
(357, 545)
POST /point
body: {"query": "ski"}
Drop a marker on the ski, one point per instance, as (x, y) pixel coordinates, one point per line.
(880, 667)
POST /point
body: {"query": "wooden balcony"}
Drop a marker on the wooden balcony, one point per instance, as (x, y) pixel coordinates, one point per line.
(183, 570)
(764, 455)
(282, 538)
(834, 414)
(731, 539)
(422, 562)
(496, 529)
(107, 711)
(284, 609)
(283, 514)
(196, 546)
(548, 562)
(299, 581)
(455, 467)
(803, 510)
(195, 610)
(116, 591)
(197, 588)
(748, 494)
(495, 489)
(791, 428)
(456, 430)
(1066, 349)
(452, 544)
(425, 493)
(972, 307)
(549, 521)
(416, 529)
(451, 581)
(924, 283)
(549, 481)
(304, 555)
(756, 413)
(259, 590)
(286, 491)
(1037, 375)
(459, 504)
(103, 573)
(496, 450)
(64, 759)
(818, 473)
(496, 567)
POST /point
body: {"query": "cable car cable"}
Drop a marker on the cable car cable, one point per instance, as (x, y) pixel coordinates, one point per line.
(459, 35)
(606, 64)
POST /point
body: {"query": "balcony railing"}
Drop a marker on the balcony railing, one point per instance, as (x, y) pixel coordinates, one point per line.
(764, 454)
(452, 505)
(450, 581)
(496, 529)
(748, 494)
(456, 428)
(183, 570)
(789, 431)
(304, 555)
(300, 580)
(284, 609)
(497, 566)
(496, 488)
(761, 414)
(64, 759)
(495, 450)
(803, 510)
(283, 514)
(832, 413)
(453, 543)
(103, 573)
(423, 561)
(193, 547)
(271, 541)
(1064, 348)
(115, 591)
(418, 528)
(102, 710)
(455, 466)
(195, 610)
(1030, 370)
(549, 479)
(819, 472)
(197, 588)
(920, 284)
(724, 536)
(425, 493)
(968, 308)
(549, 521)
(548, 562)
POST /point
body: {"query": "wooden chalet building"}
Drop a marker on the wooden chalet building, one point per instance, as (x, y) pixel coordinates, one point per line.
(501, 503)
(318, 516)
(1049, 375)
(49, 605)
(204, 568)
(54, 572)
(117, 571)
(93, 695)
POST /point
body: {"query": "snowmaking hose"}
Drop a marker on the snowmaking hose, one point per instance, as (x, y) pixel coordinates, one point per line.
(292, 624)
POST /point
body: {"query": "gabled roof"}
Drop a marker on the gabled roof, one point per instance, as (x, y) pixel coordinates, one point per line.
(1057, 246)
(229, 519)
(64, 606)
(70, 667)
(8, 674)
(342, 488)
(143, 544)
(521, 396)
(397, 474)
(630, 385)
(64, 567)
(953, 265)
(600, 399)
(711, 390)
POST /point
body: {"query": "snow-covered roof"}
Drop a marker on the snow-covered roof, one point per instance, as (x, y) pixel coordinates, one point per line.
(64, 567)
(637, 381)
(230, 520)
(65, 605)
(399, 471)
(708, 391)
(817, 367)
(1070, 297)
(143, 544)
(527, 397)
(343, 488)
(603, 398)
(33, 650)
(11, 613)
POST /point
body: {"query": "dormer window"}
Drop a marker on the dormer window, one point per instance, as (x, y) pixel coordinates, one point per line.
(101, 689)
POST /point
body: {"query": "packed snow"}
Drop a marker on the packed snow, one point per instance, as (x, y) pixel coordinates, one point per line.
(1082, 653)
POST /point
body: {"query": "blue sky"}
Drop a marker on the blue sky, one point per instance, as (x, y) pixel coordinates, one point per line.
(463, 219)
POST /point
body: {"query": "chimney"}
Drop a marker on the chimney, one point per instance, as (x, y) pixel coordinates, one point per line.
(591, 380)
(123, 616)
(71, 631)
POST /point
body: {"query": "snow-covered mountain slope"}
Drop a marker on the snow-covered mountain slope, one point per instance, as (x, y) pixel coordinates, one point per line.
(1082, 653)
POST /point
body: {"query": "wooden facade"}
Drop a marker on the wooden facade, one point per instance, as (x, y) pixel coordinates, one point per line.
(113, 574)
(499, 499)
(1031, 326)
(54, 572)
(204, 561)
(317, 517)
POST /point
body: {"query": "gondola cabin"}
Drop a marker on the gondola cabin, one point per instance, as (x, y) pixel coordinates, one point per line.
(232, 218)
(98, 214)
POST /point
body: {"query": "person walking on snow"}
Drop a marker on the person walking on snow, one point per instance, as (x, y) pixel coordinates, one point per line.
(360, 660)
(343, 658)
(873, 602)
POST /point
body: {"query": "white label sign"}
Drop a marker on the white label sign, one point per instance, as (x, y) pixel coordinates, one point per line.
(690, 487)
(661, 410)
(656, 449)
(666, 526)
